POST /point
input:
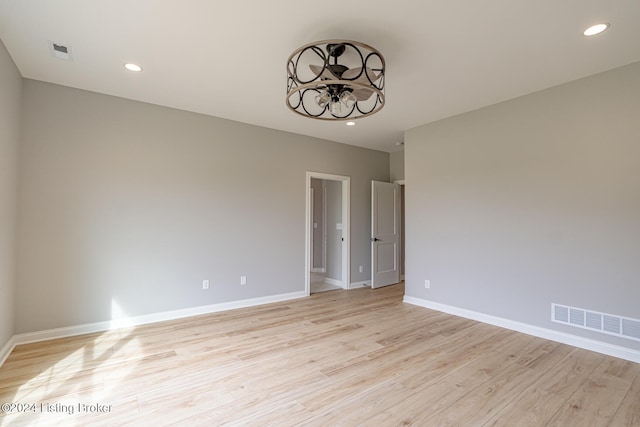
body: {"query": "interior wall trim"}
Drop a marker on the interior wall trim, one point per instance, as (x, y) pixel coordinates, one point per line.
(7, 349)
(69, 331)
(334, 282)
(561, 337)
(363, 284)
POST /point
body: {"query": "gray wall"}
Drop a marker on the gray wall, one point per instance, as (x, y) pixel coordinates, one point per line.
(396, 166)
(529, 202)
(334, 236)
(129, 206)
(318, 219)
(396, 173)
(403, 233)
(10, 98)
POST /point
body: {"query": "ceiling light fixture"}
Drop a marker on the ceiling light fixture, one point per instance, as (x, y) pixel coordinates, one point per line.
(595, 29)
(351, 123)
(133, 67)
(335, 80)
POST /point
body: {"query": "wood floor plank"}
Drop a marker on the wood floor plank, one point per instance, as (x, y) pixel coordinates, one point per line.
(481, 402)
(339, 358)
(541, 400)
(597, 399)
(628, 413)
(446, 383)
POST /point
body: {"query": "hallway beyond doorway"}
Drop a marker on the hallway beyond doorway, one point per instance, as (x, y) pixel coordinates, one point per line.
(318, 284)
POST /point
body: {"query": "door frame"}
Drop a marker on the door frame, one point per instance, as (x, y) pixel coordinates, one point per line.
(346, 228)
(403, 253)
(311, 233)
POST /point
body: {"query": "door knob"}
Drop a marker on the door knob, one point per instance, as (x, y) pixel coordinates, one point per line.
(374, 239)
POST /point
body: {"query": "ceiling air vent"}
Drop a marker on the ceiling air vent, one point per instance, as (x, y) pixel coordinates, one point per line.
(61, 51)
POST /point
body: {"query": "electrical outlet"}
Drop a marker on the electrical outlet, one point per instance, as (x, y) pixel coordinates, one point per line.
(205, 284)
(243, 280)
(427, 284)
(361, 269)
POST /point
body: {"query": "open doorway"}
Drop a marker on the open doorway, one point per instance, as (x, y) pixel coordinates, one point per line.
(327, 260)
(387, 233)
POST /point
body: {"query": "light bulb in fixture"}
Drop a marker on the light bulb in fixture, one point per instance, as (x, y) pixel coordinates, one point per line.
(133, 67)
(595, 29)
(351, 123)
(335, 107)
(348, 99)
(323, 99)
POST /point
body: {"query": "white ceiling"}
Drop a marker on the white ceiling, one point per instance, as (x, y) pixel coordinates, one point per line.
(228, 59)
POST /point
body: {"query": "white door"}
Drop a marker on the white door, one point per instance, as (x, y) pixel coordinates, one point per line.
(385, 234)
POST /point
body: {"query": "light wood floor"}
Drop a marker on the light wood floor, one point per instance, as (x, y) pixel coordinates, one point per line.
(359, 357)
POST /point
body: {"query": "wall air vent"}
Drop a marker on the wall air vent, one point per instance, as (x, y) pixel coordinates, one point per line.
(60, 51)
(609, 324)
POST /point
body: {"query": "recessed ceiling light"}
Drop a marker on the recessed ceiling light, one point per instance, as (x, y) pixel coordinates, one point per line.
(351, 123)
(595, 29)
(133, 67)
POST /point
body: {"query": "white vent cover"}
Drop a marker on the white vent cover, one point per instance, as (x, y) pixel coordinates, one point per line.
(595, 321)
(60, 51)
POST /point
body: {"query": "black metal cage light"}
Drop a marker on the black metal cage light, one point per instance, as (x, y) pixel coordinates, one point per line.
(335, 80)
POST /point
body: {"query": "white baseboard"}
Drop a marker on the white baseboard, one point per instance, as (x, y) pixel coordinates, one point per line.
(7, 349)
(356, 285)
(333, 282)
(318, 270)
(147, 318)
(561, 337)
